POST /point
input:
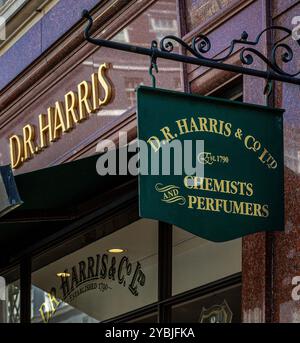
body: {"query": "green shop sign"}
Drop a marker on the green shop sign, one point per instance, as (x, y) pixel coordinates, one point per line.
(240, 188)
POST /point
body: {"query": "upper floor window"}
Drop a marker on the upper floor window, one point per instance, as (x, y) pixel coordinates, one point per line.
(199, 11)
(122, 36)
(163, 27)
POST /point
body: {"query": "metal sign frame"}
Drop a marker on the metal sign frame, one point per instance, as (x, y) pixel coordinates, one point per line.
(201, 45)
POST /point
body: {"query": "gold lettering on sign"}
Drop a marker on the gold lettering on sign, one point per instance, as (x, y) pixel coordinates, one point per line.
(185, 126)
(45, 126)
(62, 117)
(28, 136)
(72, 117)
(106, 85)
(16, 150)
(59, 122)
(84, 94)
(232, 187)
(48, 308)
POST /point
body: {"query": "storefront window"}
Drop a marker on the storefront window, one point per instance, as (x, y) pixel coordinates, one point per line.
(112, 276)
(13, 302)
(218, 307)
(198, 11)
(197, 262)
(10, 297)
(54, 310)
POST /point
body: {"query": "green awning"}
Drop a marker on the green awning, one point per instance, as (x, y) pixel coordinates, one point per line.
(53, 198)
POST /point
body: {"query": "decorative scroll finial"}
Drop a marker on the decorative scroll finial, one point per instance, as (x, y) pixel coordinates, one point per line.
(86, 14)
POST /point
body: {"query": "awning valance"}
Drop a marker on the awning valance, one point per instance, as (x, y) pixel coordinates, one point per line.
(53, 198)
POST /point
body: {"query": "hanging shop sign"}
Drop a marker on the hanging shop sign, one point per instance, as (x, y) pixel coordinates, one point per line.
(62, 117)
(240, 189)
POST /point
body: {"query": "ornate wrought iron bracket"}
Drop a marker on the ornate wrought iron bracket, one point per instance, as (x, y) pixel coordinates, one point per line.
(201, 45)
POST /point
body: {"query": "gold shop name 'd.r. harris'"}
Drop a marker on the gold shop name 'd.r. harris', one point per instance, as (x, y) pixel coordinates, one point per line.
(62, 117)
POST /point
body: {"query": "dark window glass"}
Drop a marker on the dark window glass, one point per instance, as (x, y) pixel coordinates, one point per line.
(223, 306)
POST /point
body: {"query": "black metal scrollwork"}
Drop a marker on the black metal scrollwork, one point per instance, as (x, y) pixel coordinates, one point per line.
(201, 46)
